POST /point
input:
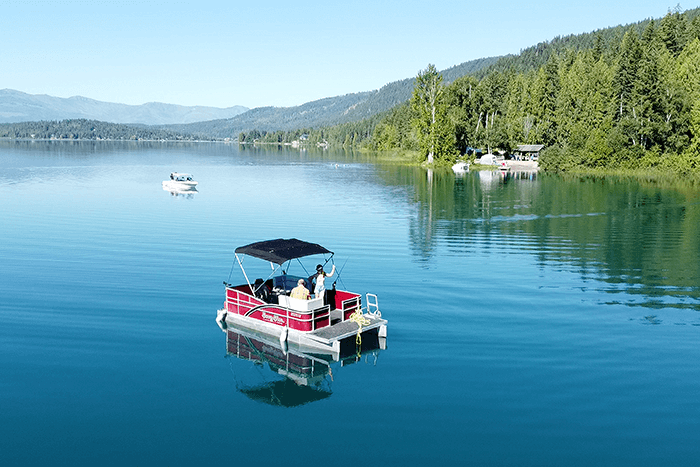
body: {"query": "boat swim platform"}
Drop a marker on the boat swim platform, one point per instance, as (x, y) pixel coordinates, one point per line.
(325, 340)
(345, 329)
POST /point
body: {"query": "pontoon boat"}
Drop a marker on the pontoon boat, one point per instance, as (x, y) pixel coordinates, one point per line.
(319, 324)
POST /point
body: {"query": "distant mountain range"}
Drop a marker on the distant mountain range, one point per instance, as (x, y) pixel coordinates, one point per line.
(324, 112)
(216, 123)
(16, 106)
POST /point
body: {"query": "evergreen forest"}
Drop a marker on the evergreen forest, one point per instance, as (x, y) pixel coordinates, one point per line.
(621, 98)
(625, 98)
(83, 129)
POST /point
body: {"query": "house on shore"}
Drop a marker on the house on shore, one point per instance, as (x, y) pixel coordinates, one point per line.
(528, 152)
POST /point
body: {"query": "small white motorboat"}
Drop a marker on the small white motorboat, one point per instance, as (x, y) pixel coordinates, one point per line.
(460, 167)
(180, 182)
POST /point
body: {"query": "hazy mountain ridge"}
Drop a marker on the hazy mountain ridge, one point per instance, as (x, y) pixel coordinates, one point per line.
(324, 112)
(17, 106)
(210, 122)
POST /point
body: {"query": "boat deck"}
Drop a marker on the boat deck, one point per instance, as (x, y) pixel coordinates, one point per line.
(344, 329)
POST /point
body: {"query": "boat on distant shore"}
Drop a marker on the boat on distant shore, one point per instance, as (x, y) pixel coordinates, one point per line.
(460, 167)
(268, 305)
(180, 182)
(488, 159)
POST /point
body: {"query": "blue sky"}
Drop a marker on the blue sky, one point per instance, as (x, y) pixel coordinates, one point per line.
(259, 53)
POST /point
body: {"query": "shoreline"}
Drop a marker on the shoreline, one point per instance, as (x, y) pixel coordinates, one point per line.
(514, 166)
(523, 166)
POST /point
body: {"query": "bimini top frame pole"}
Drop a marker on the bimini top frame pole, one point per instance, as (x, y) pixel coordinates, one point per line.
(247, 280)
(240, 263)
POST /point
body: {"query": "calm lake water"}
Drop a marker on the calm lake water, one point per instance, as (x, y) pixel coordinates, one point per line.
(533, 321)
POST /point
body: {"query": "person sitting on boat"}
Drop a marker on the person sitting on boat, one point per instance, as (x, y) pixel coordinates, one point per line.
(320, 289)
(300, 291)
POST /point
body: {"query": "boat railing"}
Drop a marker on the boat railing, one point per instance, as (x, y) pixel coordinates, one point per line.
(350, 305)
(241, 303)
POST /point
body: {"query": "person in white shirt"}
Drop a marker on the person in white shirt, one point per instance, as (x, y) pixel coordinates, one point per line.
(320, 289)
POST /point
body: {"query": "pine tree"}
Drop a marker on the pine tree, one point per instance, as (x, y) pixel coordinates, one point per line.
(430, 114)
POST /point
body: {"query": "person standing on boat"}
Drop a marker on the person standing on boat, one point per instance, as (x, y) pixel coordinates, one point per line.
(320, 289)
(300, 291)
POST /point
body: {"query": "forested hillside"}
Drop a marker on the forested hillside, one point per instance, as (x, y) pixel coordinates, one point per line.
(88, 130)
(352, 108)
(625, 97)
(324, 112)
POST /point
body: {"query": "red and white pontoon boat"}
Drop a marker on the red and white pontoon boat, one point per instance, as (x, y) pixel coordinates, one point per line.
(319, 324)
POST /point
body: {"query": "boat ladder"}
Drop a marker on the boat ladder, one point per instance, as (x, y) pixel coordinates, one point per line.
(373, 306)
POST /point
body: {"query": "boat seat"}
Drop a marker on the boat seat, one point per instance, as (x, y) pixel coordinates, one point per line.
(298, 304)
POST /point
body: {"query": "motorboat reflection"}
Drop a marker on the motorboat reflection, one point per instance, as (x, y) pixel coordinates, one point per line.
(182, 194)
(295, 377)
(520, 175)
(488, 179)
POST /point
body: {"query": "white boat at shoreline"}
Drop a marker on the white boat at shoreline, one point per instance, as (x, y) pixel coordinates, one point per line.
(460, 167)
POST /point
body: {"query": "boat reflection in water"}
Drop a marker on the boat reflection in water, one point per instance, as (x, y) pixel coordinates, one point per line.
(295, 377)
(187, 194)
(524, 175)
